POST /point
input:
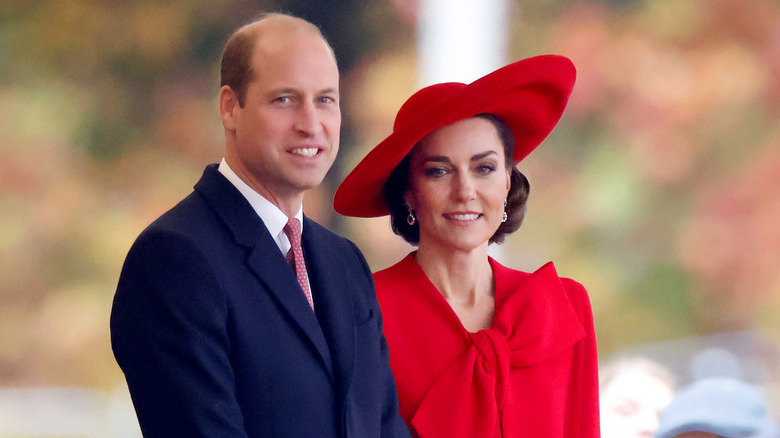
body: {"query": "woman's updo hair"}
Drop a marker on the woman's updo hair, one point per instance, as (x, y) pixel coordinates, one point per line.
(398, 183)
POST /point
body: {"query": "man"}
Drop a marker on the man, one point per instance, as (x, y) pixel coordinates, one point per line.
(217, 334)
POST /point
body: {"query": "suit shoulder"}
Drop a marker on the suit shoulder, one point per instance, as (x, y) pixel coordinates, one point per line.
(182, 215)
(191, 218)
(183, 236)
(330, 238)
(320, 229)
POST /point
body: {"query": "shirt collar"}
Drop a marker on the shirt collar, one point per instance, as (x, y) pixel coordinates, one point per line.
(273, 218)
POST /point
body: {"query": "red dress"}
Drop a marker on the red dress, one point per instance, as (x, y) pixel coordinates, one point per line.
(532, 374)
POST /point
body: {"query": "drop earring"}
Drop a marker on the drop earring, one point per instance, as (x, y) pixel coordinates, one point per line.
(505, 217)
(410, 219)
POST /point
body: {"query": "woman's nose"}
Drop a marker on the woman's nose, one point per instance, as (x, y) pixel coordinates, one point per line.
(464, 188)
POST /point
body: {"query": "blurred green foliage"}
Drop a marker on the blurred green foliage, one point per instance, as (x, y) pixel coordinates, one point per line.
(658, 190)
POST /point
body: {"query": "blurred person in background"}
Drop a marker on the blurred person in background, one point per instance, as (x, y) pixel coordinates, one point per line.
(632, 392)
(220, 334)
(717, 407)
(478, 349)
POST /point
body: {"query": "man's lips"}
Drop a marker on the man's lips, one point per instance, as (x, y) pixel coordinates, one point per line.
(307, 152)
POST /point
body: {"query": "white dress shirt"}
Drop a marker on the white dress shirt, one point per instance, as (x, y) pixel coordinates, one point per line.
(273, 218)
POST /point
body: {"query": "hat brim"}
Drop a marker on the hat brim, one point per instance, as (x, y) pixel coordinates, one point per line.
(528, 95)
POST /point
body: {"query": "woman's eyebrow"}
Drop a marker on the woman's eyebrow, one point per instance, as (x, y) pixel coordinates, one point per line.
(446, 159)
(438, 159)
(483, 155)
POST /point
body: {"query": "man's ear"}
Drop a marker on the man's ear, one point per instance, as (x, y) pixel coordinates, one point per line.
(228, 105)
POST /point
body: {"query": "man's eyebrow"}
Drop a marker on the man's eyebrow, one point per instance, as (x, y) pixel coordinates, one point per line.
(285, 90)
(295, 91)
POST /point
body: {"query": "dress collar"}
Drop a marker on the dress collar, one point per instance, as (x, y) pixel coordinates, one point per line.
(533, 312)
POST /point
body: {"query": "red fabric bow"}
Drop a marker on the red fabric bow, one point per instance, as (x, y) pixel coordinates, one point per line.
(534, 322)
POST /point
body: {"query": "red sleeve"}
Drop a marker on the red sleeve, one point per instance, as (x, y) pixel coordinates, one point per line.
(583, 409)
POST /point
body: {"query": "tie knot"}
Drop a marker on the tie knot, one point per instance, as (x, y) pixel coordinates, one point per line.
(293, 231)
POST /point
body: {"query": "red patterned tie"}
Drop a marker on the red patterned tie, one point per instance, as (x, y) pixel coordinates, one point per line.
(295, 256)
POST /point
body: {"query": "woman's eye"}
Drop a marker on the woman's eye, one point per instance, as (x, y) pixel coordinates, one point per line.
(435, 171)
(486, 169)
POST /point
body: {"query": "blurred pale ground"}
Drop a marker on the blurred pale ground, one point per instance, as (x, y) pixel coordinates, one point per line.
(659, 189)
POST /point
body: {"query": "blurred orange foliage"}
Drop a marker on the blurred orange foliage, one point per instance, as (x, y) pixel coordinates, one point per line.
(658, 189)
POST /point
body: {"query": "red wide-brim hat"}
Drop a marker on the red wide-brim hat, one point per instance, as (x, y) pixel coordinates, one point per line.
(528, 95)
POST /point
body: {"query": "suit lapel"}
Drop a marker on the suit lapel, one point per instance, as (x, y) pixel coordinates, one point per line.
(264, 259)
(332, 299)
(272, 269)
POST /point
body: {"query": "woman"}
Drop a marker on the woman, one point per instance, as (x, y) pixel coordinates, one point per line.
(477, 349)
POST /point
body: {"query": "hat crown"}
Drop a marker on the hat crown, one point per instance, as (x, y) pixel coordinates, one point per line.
(418, 102)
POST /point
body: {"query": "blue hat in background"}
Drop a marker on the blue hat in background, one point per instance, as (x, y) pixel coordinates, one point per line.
(722, 406)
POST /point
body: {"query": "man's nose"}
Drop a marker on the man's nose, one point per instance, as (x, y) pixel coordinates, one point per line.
(307, 120)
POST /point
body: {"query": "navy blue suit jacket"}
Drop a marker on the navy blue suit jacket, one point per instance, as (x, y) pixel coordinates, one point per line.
(216, 338)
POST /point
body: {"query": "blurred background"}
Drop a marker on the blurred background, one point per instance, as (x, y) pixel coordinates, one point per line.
(659, 190)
